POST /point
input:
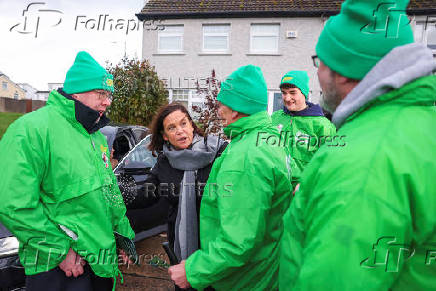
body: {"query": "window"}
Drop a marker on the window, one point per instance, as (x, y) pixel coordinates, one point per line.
(139, 157)
(216, 37)
(425, 32)
(181, 96)
(188, 98)
(171, 39)
(16, 95)
(264, 38)
(5, 85)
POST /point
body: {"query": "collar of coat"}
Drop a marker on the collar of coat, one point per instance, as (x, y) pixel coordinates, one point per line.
(255, 121)
(75, 110)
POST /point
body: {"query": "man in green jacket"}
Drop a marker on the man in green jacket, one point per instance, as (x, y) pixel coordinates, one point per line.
(245, 197)
(302, 124)
(364, 217)
(59, 195)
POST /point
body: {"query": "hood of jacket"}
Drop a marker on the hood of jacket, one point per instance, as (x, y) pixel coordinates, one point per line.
(402, 65)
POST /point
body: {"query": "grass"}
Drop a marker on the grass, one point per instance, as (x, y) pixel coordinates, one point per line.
(6, 118)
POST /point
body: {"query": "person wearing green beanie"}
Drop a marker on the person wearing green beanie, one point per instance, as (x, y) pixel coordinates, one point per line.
(301, 123)
(363, 217)
(247, 192)
(59, 195)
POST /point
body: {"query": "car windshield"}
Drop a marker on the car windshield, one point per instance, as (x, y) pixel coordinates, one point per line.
(139, 157)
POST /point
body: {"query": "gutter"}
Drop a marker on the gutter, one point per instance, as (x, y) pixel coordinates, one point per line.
(255, 14)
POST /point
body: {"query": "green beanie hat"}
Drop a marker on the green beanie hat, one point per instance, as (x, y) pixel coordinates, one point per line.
(298, 78)
(245, 90)
(86, 75)
(353, 41)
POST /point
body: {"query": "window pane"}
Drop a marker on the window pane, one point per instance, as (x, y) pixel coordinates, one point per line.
(180, 94)
(431, 36)
(215, 42)
(140, 157)
(172, 29)
(418, 32)
(264, 44)
(216, 28)
(170, 43)
(270, 29)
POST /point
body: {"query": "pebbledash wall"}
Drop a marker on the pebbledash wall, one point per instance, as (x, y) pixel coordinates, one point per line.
(181, 68)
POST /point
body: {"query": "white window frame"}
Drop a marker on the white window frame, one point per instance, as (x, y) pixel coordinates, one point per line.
(4, 85)
(162, 33)
(225, 34)
(425, 26)
(192, 97)
(252, 50)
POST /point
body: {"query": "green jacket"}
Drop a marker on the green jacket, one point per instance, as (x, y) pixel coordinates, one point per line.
(245, 198)
(54, 178)
(304, 135)
(364, 217)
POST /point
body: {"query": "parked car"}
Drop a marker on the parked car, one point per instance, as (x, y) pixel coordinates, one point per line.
(132, 162)
(123, 138)
(131, 173)
(11, 271)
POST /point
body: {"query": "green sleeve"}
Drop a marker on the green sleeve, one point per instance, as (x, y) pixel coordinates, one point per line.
(122, 225)
(42, 244)
(242, 214)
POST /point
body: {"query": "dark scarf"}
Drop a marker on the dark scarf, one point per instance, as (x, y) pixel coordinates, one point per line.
(89, 118)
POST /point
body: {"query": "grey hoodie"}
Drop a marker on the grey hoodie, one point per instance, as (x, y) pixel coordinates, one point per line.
(400, 66)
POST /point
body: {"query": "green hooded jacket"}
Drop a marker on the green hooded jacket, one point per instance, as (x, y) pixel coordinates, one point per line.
(57, 191)
(304, 134)
(245, 198)
(364, 217)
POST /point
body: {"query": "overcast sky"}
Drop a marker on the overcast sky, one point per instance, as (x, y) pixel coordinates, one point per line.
(43, 55)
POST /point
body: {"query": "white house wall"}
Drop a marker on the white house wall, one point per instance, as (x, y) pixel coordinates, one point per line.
(293, 54)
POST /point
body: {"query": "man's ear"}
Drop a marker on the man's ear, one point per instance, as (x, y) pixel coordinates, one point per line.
(235, 115)
(341, 80)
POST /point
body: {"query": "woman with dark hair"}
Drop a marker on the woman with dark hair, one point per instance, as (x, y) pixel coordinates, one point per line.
(185, 158)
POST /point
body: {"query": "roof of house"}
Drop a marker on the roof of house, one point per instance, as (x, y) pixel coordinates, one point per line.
(169, 9)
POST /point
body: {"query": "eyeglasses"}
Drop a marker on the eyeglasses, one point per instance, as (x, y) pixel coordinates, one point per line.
(315, 60)
(103, 95)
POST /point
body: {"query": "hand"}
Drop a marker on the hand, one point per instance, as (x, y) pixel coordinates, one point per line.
(178, 275)
(73, 264)
(125, 257)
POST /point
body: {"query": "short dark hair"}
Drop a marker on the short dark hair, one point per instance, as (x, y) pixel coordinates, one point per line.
(157, 129)
(288, 86)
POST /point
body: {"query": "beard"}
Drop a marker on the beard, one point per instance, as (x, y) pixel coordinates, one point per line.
(330, 99)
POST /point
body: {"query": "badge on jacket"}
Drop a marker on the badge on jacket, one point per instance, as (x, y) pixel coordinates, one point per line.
(104, 156)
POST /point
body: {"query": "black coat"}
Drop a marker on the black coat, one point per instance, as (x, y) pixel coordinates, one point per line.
(164, 184)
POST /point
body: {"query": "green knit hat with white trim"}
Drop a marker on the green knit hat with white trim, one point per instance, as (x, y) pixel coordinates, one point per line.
(245, 90)
(87, 75)
(300, 79)
(353, 41)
